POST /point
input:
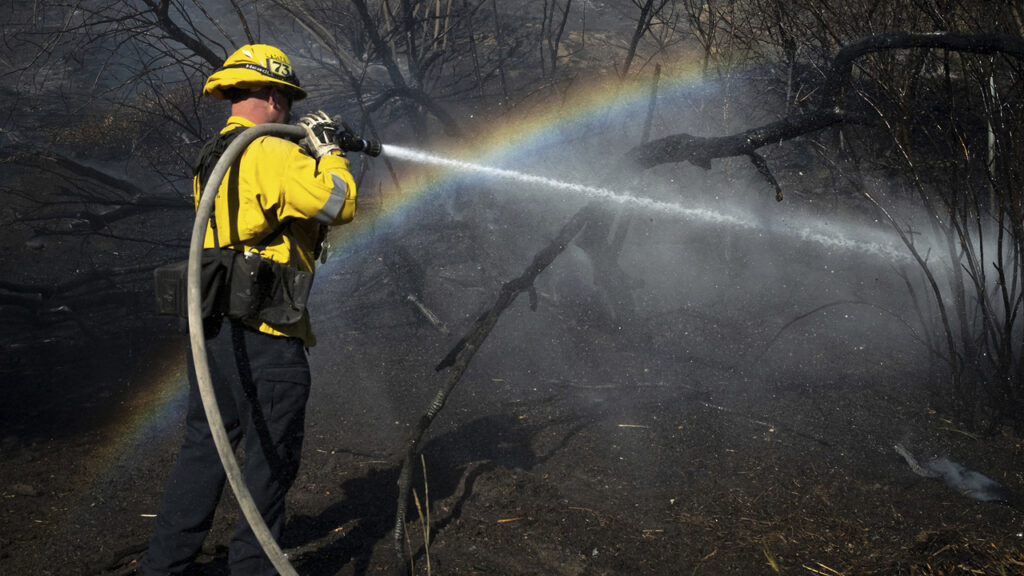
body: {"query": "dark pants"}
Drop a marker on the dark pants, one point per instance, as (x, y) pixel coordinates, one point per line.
(261, 383)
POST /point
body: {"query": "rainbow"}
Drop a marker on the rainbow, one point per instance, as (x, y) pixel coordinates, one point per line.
(148, 418)
(154, 413)
(514, 138)
(511, 137)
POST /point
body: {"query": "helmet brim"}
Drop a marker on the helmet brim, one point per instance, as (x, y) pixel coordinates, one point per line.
(248, 76)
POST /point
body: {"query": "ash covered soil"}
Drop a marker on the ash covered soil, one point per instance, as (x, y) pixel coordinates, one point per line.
(715, 431)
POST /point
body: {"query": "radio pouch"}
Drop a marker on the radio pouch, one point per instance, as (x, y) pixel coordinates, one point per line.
(171, 283)
(243, 286)
(279, 292)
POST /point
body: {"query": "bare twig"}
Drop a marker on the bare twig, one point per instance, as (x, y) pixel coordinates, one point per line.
(428, 314)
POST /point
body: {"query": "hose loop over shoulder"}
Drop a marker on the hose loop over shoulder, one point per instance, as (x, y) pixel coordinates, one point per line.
(198, 340)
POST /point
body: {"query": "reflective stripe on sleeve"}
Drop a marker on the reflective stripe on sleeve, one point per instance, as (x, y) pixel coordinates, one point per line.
(335, 202)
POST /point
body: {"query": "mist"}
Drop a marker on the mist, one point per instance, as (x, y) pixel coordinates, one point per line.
(786, 336)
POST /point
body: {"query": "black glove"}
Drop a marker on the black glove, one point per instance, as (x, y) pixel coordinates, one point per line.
(321, 134)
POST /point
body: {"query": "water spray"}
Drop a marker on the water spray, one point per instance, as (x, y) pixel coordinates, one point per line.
(827, 238)
(350, 142)
(593, 192)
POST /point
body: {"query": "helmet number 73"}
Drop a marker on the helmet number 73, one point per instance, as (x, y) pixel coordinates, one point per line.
(279, 68)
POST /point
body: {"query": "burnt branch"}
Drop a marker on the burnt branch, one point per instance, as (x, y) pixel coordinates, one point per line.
(66, 299)
(400, 87)
(53, 161)
(126, 197)
(762, 166)
(700, 150)
(174, 32)
(417, 96)
(842, 64)
(462, 353)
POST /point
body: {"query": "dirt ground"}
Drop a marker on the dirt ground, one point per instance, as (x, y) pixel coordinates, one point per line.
(674, 444)
(700, 438)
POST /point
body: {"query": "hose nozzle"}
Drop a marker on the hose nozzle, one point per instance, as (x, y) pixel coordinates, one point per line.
(349, 141)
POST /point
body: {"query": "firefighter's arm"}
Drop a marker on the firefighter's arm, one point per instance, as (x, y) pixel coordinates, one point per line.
(343, 185)
(310, 189)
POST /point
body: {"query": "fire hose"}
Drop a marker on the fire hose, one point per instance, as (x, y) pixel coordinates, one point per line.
(197, 335)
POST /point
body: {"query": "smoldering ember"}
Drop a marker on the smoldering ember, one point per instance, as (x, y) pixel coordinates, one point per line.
(647, 287)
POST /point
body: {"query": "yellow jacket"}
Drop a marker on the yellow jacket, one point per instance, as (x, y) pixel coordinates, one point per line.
(277, 181)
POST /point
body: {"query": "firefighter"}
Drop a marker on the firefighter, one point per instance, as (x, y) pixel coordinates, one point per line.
(275, 202)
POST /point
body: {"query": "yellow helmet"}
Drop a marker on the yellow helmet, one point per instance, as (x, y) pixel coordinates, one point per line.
(252, 67)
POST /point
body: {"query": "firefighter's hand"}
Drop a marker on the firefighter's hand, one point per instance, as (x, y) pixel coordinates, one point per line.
(321, 134)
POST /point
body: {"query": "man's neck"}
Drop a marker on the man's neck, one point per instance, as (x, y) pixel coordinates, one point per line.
(255, 110)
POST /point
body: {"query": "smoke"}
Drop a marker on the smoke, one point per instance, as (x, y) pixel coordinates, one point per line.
(720, 291)
(712, 282)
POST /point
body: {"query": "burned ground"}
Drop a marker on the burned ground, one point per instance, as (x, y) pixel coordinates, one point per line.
(716, 431)
(739, 419)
